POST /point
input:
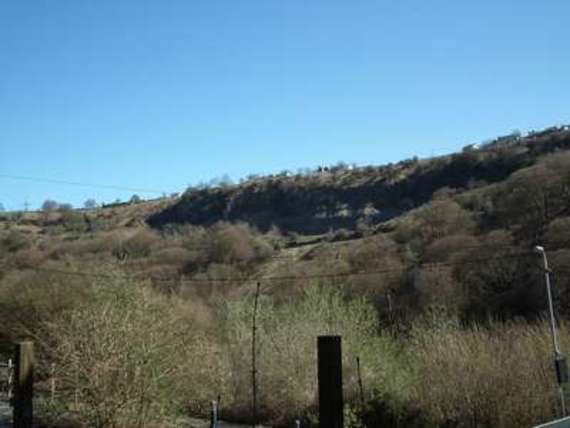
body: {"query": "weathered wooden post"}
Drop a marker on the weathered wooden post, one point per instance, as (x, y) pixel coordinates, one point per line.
(360, 386)
(330, 382)
(214, 415)
(24, 385)
(52, 384)
(254, 356)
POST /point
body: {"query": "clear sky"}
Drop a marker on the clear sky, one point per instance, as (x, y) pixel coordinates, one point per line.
(166, 93)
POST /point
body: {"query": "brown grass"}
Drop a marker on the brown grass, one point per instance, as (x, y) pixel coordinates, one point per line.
(500, 376)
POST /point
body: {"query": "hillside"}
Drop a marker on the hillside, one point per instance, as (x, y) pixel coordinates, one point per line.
(510, 194)
(424, 267)
(341, 197)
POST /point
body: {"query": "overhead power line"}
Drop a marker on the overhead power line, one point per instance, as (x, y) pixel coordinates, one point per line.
(399, 271)
(82, 184)
(513, 176)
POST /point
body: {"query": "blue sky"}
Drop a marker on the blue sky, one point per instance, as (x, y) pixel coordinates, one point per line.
(163, 94)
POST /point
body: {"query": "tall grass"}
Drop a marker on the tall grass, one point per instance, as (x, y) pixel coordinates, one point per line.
(498, 376)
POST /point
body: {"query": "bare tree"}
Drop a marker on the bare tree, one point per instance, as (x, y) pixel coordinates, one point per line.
(90, 203)
(50, 205)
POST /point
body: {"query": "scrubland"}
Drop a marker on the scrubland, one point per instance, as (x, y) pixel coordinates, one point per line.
(122, 354)
(139, 324)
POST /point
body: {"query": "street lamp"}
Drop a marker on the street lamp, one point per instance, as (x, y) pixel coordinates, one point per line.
(559, 359)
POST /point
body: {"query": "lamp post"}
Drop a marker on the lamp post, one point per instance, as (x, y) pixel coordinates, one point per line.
(559, 359)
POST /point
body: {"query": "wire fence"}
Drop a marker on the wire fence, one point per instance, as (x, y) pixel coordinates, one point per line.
(6, 379)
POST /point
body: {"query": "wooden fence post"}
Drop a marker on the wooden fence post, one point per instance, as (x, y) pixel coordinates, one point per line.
(214, 415)
(254, 356)
(52, 384)
(24, 385)
(330, 382)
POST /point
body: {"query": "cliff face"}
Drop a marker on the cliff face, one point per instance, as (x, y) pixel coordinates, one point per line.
(343, 197)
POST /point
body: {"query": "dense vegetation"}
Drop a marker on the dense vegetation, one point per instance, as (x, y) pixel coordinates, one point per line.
(143, 311)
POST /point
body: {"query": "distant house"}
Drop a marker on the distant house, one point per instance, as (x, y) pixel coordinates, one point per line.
(471, 147)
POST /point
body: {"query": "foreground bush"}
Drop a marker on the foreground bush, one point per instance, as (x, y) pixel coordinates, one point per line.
(121, 357)
(30, 300)
(501, 376)
(287, 355)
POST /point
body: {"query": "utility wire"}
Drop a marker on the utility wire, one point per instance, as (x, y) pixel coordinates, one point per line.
(81, 184)
(299, 259)
(513, 175)
(433, 266)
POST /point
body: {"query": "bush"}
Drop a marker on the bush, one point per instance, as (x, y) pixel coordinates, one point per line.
(127, 356)
(124, 357)
(497, 377)
(534, 196)
(503, 286)
(443, 217)
(558, 234)
(72, 220)
(377, 252)
(50, 205)
(236, 243)
(449, 247)
(29, 258)
(437, 288)
(287, 351)
(14, 241)
(28, 300)
(84, 248)
(90, 204)
(139, 245)
(172, 256)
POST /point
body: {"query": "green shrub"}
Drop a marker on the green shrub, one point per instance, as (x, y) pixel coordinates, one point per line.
(287, 360)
